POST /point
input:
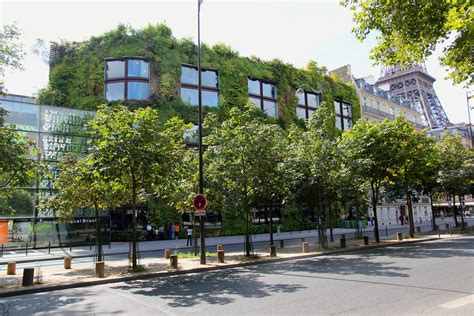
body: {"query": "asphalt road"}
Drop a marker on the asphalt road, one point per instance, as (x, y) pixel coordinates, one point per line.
(432, 278)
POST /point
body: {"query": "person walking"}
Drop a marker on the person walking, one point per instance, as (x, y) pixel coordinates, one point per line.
(189, 234)
(176, 231)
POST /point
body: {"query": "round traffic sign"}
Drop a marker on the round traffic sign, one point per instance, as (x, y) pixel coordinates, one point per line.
(200, 202)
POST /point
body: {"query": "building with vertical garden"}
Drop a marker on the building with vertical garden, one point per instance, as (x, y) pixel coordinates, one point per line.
(150, 67)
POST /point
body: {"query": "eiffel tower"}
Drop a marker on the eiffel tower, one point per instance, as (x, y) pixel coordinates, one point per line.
(413, 84)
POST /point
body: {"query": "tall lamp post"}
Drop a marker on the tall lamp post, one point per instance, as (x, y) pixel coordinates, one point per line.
(201, 179)
(468, 97)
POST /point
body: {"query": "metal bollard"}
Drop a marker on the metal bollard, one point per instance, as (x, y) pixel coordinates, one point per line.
(386, 231)
(167, 253)
(282, 243)
(220, 256)
(67, 262)
(305, 246)
(220, 247)
(447, 226)
(343, 242)
(366, 240)
(28, 275)
(273, 251)
(11, 268)
(418, 229)
(100, 269)
(439, 233)
(174, 261)
(49, 247)
(399, 236)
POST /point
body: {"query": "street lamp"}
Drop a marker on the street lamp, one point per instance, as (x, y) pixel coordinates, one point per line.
(468, 97)
(201, 178)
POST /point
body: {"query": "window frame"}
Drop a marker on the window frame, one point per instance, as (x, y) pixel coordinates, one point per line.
(192, 86)
(261, 97)
(340, 116)
(126, 78)
(306, 106)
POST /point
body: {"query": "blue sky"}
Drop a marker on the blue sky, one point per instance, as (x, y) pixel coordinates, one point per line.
(293, 31)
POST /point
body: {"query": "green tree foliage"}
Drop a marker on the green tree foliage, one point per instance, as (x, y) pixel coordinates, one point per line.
(77, 74)
(138, 154)
(312, 166)
(11, 52)
(243, 163)
(408, 32)
(17, 166)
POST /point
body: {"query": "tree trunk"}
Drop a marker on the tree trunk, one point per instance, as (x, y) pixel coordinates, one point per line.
(134, 224)
(411, 228)
(375, 197)
(433, 220)
(455, 211)
(97, 227)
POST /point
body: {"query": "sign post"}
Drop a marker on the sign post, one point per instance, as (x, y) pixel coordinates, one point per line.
(200, 204)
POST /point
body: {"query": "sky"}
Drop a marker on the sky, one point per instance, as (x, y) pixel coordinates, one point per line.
(292, 31)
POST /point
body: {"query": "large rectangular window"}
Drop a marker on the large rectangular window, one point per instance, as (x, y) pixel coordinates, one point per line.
(307, 104)
(264, 96)
(343, 115)
(209, 86)
(127, 78)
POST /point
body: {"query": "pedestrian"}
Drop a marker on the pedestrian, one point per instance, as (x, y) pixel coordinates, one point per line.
(176, 231)
(161, 232)
(406, 219)
(168, 231)
(441, 213)
(400, 218)
(189, 234)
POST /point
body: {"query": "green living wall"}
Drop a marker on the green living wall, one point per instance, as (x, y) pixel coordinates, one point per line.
(77, 74)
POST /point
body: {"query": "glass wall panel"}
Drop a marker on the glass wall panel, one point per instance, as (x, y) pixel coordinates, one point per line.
(346, 110)
(210, 98)
(115, 91)
(24, 116)
(189, 96)
(189, 75)
(269, 90)
(115, 69)
(270, 108)
(300, 96)
(255, 101)
(337, 107)
(313, 100)
(138, 90)
(209, 78)
(338, 123)
(254, 86)
(137, 68)
(301, 113)
(347, 123)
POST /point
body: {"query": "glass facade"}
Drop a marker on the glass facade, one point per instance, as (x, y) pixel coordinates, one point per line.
(263, 95)
(307, 104)
(127, 79)
(209, 86)
(343, 115)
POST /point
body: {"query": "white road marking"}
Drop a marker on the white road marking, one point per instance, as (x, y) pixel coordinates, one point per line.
(459, 302)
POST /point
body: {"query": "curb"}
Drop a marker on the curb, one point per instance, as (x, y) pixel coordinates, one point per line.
(64, 286)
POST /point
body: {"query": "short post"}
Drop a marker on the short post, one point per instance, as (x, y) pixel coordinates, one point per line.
(220, 256)
(70, 246)
(167, 253)
(174, 261)
(343, 242)
(67, 262)
(28, 276)
(399, 236)
(220, 247)
(418, 229)
(100, 269)
(366, 240)
(439, 233)
(49, 247)
(303, 240)
(273, 251)
(11, 268)
(447, 226)
(450, 231)
(282, 243)
(26, 249)
(305, 246)
(386, 231)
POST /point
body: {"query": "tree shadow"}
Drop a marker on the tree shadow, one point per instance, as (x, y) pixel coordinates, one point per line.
(216, 288)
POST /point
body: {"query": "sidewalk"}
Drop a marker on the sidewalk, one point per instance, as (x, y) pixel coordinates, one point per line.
(56, 277)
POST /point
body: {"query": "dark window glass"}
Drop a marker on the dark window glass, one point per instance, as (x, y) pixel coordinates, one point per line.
(210, 98)
(301, 100)
(115, 91)
(337, 107)
(269, 90)
(254, 86)
(137, 90)
(138, 68)
(346, 110)
(347, 123)
(338, 123)
(313, 100)
(343, 115)
(270, 108)
(189, 75)
(301, 113)
(189, 96)
(115, 69)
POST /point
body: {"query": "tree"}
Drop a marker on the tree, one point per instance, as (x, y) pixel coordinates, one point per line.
(81, 186)
(17, 165)
(416, 160)
(11, 52)
(455, 175)
(313, 165)
(244, 158)
(409, 31)
(138, 153)
(370, 151)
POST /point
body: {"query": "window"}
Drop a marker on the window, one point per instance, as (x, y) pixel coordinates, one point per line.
(127, 78)
(307, 104)
(209, 86)
(343, 115)
(263, 95)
